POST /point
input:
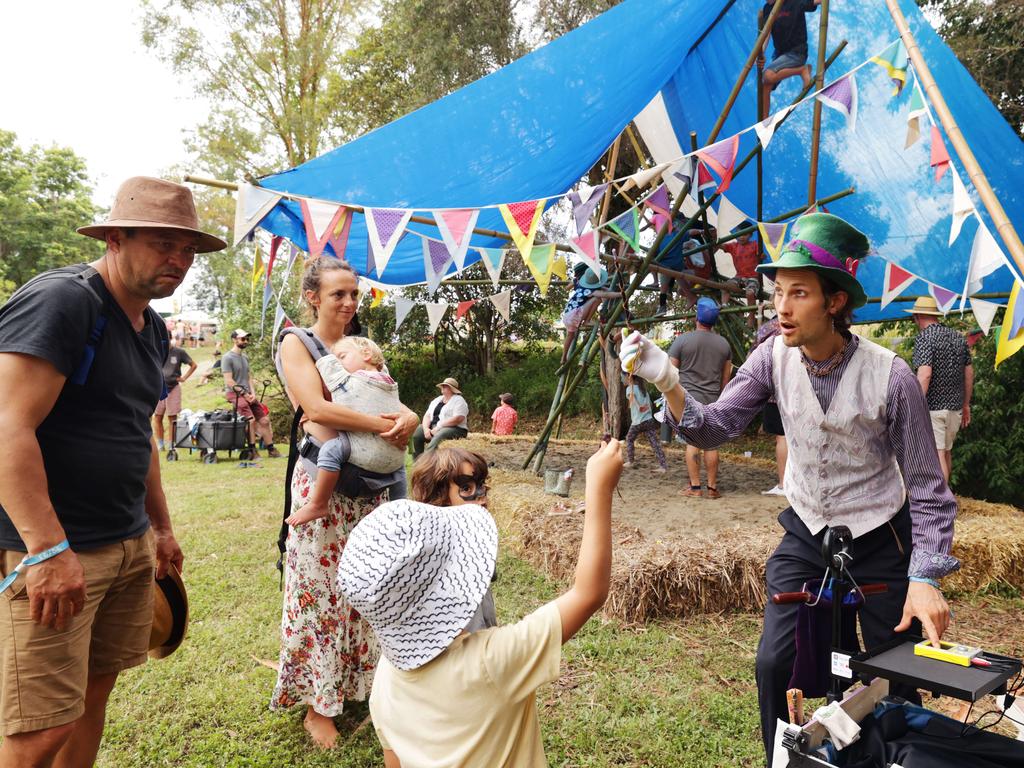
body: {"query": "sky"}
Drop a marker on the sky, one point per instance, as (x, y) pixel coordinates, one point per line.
(76, 74)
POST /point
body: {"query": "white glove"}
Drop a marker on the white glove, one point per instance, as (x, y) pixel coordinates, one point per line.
(642, 357)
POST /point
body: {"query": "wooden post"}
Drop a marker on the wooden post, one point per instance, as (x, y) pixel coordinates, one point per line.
(613, 159)
(812, 186)
(963, 150)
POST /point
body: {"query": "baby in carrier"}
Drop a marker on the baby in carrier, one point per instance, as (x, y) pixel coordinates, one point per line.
(355, 377)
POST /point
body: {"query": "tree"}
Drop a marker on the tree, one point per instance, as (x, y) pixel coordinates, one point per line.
(44, 197)
(988, 38)
(264, 64)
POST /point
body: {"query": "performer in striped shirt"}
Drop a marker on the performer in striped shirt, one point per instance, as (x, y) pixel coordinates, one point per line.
(861, 452)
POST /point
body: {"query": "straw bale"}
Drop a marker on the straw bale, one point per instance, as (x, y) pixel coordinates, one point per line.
(676, 577)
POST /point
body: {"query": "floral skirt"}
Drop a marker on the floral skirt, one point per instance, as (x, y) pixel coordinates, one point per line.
(328, 652)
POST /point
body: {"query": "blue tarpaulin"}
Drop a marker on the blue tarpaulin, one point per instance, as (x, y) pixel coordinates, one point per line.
(534, 128)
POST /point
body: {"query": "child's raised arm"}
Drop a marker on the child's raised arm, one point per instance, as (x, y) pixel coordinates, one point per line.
(594, 566)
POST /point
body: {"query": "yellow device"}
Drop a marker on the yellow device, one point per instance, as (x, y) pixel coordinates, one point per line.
(951, 652)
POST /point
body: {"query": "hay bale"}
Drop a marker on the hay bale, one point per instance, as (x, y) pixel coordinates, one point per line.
(677, 577)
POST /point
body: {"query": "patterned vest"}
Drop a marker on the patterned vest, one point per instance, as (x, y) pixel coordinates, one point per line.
(841, 469)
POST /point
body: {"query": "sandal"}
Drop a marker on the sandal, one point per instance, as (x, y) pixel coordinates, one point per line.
(713, 493)
(692, 492)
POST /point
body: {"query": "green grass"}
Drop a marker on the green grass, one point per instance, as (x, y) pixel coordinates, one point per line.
(666, 694)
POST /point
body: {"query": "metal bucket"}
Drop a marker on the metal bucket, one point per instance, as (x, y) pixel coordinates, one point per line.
(558, 481)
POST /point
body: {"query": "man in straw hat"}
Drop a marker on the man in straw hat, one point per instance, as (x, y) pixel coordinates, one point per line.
(859, 434)
(446, 418)
(944, 369)
(84, 519)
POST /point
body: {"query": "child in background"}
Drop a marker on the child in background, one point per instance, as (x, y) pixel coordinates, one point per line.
(641, 415)
(789, 38)
(353, 373)
(451, 477)
(584, 298)
(417, 573)
(746, 255)
(505, 417)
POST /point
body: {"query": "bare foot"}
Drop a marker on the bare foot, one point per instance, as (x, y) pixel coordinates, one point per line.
(304, 514)
(320, 728)
(805, 75)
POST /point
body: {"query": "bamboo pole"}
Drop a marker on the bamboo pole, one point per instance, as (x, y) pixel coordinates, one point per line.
(812, 184)
(963, 150)
(613, 159)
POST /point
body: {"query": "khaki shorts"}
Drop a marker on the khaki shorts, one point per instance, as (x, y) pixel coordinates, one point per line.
(170, 405)
(43, 673)
(945, 425)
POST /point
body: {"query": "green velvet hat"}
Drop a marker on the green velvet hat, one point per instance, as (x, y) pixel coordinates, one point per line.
(825, 244)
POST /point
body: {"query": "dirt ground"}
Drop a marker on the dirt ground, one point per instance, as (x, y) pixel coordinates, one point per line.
(651, 501)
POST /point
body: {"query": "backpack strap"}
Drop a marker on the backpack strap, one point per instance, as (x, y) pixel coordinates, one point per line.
(82, 278)
(316, 350)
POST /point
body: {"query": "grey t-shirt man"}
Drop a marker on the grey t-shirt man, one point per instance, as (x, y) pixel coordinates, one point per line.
(702, 356)
(237, 365)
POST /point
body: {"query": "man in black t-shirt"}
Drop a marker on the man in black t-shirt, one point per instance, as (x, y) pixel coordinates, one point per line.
(789, 38)
(170, 404)
(84, 519)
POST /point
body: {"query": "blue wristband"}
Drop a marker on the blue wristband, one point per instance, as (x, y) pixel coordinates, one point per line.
(924, 580)
(30, 560)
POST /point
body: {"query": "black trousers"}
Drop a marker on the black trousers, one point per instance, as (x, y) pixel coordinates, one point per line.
(880, 556)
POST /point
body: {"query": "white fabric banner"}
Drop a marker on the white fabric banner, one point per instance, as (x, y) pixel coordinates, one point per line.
(251, 205)
(986, 258)
(766, 128)
(435, 313)
(402, 308)
(962, 207)
(456, 229)
(729, 216)
(984, 313)
(501, 302)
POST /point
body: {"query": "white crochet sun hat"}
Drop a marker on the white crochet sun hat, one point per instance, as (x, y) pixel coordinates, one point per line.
(417, 574)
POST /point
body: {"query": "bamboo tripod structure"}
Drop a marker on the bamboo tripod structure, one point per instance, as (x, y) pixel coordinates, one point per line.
(566, 386)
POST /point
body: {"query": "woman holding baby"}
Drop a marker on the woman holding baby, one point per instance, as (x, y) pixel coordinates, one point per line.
(328, 653)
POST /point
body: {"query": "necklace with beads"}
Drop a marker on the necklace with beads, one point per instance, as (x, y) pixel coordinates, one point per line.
(828, 367)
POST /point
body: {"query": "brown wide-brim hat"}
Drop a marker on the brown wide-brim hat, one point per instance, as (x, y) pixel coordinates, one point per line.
(143, 201)
(170, 614)
(450, 382)
(925, 305)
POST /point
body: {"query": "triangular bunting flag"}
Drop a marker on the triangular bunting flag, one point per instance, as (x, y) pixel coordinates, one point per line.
(376, 297)
(944, 298)
(584, 200)
(522, 220)
(842, 96)
(560, 267)
(705, 181)
(682, 170)
(773, 236)
(293, 254)
(986, 258)
(251, 205)
(384, 227)
(456, 227)
(690, 208)
(766, 128)
(627, 226)
(641, 179)
(501, 303)
(320, 219)
(257, 267)
(721, 158)
(940, 156)
(729, 216)
(962, 207)
(587, 247)
(268, 294)
(338, 239)
(493, 259)
(984, 313)
(658, 201)
(894, 61)
(463, 308)
(917, 111)
(541, 264)
(894, 282)
(435, 314)
(275, 244)
(436, 260)
(1011, 334)
(279, 318)
(402, 309)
